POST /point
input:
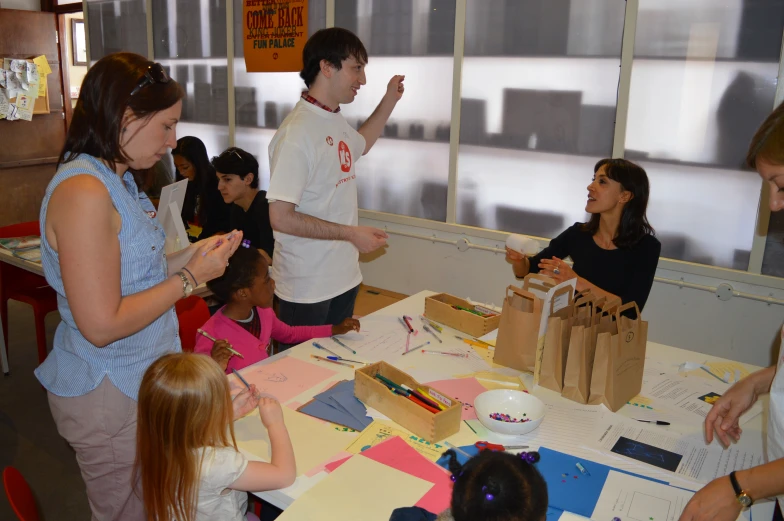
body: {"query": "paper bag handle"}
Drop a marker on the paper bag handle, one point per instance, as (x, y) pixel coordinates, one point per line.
(542, 279)
(625, 307)
(565, 289)
(520, 291)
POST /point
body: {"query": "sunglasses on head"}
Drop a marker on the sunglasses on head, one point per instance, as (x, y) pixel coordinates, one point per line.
(232, 151)
(155, 73)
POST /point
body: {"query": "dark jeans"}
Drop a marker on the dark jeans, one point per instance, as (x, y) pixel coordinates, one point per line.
(332, 311)
(777, 513)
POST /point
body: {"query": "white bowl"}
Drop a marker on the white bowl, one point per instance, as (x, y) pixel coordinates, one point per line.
(514, 403)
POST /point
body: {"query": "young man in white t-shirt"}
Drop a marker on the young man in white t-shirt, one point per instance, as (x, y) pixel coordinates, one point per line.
(313, 192)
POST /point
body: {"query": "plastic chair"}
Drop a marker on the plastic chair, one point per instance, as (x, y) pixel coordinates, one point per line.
(192, 313)
(19, 495)
(27, 287)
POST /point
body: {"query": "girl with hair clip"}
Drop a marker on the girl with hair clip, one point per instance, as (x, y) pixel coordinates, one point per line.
(187, 458)
(203, 204)
(491, 486)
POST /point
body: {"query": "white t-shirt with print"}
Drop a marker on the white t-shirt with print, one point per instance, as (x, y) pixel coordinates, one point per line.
(312, 164)
(221, 466)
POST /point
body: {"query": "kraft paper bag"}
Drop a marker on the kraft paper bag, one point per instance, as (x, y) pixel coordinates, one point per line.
(619, 360)
(581, 353)
(518, 330)
(556, 343)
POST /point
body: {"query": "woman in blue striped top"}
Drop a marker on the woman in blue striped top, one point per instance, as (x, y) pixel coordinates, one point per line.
(104, 256)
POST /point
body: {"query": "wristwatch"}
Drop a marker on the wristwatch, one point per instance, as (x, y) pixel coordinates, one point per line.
(743, 498)
(187, 287)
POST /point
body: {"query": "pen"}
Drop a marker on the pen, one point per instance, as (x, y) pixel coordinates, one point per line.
(330, 361)
(432, 333)
(457, 449)
(408, 324)
(217, 244)
(408, 329)
(240, 377)
(713, 375)
(657, 422)
(458, 355)
(582, 469)
(209, 337)
(319, 346)
(469, 426)
(342, 344)
(341, 359)
(417, 347)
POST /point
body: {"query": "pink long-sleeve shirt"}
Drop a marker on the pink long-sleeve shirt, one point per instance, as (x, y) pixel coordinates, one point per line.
(254, 349)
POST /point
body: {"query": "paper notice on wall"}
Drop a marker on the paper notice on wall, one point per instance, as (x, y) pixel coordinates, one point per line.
(3, 103)
(13, 113)
(3, 83)
(12, 84)
(32, 73)
(43, 65)
(42, 87)
(19, 66)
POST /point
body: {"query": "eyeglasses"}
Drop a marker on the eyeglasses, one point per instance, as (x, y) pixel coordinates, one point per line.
(155, 73)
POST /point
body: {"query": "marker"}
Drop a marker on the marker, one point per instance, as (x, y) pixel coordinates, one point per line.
(417, 347)
(445, 353)
(319, 346)
(341, 359)
(217, 244)
(422, 404)
(457, 449)
(421, 397)
(241, 378)
(719, 378)
(469, 426)
(408, 324)
(431, 323)
(330, 361)
(209, 337)
(657, 422)
(408, 342)
(432, 333)
(342, 344)
(390, 383)
(582, 469)
(408, 329)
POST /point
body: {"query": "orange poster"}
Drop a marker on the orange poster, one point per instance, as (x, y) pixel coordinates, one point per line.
(274, 34)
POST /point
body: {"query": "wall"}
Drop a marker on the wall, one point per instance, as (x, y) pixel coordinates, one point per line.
(76, 72)
(27, 5)
(738, 329)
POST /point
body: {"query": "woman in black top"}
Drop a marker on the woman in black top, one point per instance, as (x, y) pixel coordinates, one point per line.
(203, 204)
(615, 253)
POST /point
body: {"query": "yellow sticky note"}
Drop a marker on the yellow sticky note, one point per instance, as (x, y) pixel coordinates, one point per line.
(359, 489)
(42, 64)
(42, 86)
(313, 441)
(381, 430)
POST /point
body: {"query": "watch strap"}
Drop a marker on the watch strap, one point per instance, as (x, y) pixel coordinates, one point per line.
(735, 484)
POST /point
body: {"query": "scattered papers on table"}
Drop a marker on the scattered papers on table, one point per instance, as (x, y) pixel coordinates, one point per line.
(381, 430)
(284, 379)
(339, 405)
(464, 390)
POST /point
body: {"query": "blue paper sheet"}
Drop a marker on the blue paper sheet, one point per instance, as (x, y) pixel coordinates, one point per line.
(335, 405)
(567, 488)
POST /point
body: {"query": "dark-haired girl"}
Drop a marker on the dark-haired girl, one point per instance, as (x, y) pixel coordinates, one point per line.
(615, 253)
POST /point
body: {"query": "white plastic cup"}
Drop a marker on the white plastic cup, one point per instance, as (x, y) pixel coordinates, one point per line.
(522, 244)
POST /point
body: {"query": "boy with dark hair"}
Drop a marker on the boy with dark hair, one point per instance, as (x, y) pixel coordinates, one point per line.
(238, 183)
(313, 192)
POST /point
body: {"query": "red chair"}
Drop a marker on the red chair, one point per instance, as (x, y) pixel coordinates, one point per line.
(21, 285)
(19, 495)
(192, 313)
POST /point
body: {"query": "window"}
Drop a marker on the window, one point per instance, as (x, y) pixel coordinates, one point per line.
(116, 26)
(408, 169)
(189, 40)
(539, 88)
(703, 79)
(262, 100)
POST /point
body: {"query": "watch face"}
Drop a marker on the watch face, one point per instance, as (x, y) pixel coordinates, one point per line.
(744, 500)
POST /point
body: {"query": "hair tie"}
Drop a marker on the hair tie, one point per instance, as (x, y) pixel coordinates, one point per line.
(528, 457)
(245, 243)
(488, 495)
(454, 478)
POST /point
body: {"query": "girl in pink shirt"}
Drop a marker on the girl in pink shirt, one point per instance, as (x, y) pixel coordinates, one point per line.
(247, 323)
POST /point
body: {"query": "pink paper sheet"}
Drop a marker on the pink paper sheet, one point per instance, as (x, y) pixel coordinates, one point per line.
(284, 379)
(399, 455)
(340, 457)
(464, 389)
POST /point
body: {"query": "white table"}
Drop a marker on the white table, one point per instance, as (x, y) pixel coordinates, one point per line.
(34, 267)
(414, 306)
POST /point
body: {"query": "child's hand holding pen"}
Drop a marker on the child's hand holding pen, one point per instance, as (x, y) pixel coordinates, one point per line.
(350, 324)
(245, 401)
(221, 352)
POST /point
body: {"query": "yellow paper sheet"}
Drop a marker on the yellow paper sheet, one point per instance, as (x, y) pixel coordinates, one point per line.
(643, 402)
(42, 64)
(313, 441)
(360, 489)
(491, 380)
(381, 430)
(42, 86)
(720, 368)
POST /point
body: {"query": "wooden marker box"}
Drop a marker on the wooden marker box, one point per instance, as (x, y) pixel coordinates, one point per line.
(438, 308)
(432, 427)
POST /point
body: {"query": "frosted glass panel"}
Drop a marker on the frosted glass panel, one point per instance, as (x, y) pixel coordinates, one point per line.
(116, 25)
(190, 42)
(539, 89)
(703, 79)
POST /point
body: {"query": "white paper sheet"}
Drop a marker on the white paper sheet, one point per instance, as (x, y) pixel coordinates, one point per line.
(630, 497)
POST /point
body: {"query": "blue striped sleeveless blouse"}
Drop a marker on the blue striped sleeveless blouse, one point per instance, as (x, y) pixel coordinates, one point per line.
(75, 367)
